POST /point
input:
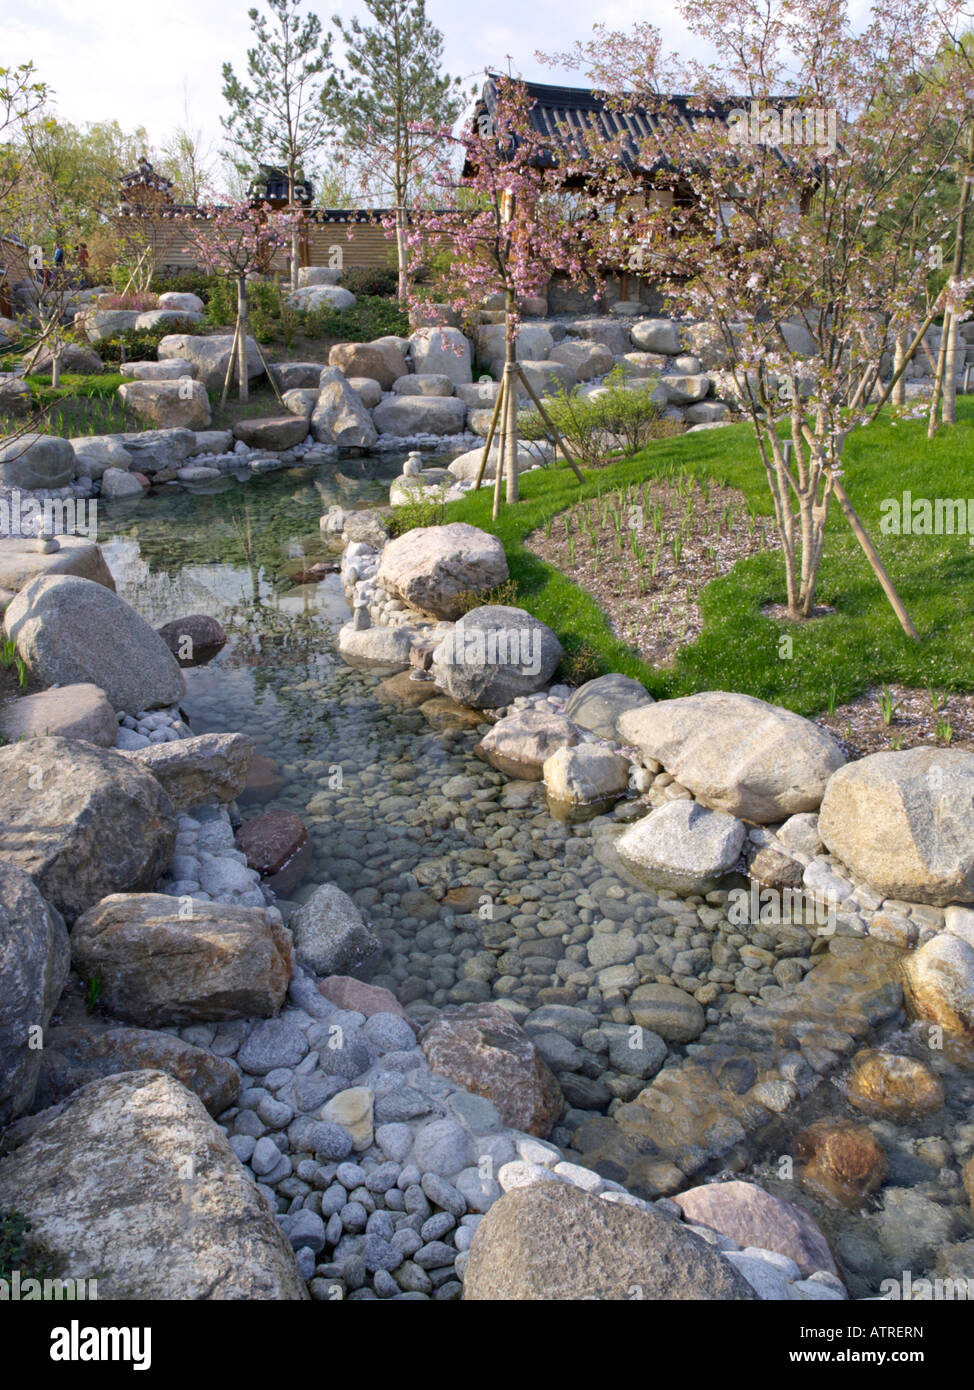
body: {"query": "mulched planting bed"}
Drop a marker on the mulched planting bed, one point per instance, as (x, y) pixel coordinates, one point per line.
(931, 718)
(645, 552)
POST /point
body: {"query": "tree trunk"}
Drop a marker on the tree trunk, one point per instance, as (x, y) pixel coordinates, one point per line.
(510, 358)
(948, 413)
(295, 230)
(242, 338)
(401, 252)
(56, 370)
(939, 375)
(956, 270)
(899, 353)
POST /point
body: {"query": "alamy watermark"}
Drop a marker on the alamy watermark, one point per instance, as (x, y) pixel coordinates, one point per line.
(788, 906)
(811, 126)
(26, 516)
(927, 516)
(492, 646)
(26, 1289)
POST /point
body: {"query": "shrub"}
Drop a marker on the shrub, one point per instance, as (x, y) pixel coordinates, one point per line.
(505, 594)
(423, 510)
(14, 1254)
(623, 418)
(579, 663)
(372, 280)
(372, 317)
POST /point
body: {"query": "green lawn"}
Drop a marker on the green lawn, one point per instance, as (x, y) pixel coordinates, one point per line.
(837, 656)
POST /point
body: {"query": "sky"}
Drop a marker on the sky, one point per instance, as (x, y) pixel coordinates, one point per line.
(146, 64)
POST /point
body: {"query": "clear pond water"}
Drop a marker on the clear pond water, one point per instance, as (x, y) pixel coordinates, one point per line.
(422, 834)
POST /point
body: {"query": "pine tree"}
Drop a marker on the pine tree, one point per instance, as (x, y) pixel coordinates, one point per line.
(393, 85)
(279, 117)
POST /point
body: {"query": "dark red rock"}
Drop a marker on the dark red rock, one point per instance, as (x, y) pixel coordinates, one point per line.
(278, 846)
(349, 993)
(193, 640)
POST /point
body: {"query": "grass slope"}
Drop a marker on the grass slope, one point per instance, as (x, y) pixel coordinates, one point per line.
(832, 658)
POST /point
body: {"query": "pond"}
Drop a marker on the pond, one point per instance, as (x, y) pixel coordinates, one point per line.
(475, 890)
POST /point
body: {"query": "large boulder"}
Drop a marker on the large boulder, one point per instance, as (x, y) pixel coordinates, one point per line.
(423, 384)
(318, 275)
(752, 1217)
(685, 389)
(521, 743)
(296, 376)
(682, 845)
(74, 358)
(409, 415)
(82, 821)
(444, 351)
(34, 960)
(585, 357)
(430, 567)
(546, 378)
(101, 325)
(902, 822)
(598, 704)
(71, 630)
(162, 960)
(383, 362)
(493, 655)
(67, 711)
(169, 404)
(331, 936)
(200, 770)
(172, 369)
(21, 561)
(737, 754)
(181, 301)
(608, 332)
(36, 461)
(152, 450)
(534, 343)
(174, 319)
(274, 432)
(656, 335)
(482, 1048)
(90, 1048)
(96, 452)
(339, 417)
(313, 297)
(552, 1242)
(211, 354)
(466, 466)
(129, 1182)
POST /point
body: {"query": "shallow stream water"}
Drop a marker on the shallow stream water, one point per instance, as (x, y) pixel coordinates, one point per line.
(405, 818)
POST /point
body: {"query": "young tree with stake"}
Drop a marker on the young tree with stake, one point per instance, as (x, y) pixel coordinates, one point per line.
(237, 242)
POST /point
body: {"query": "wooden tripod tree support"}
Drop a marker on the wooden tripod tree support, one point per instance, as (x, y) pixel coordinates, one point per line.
(870, 551)
(507, 401)
(230, 365)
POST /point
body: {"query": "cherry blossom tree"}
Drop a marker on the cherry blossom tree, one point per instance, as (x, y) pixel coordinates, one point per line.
(509, 229)
(239, 241)
(783, 207)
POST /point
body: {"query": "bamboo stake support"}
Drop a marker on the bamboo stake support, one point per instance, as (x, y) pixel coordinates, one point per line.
(502, 451)
(490, 437)
(230, 365)
(260, 354)
(559, 442)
